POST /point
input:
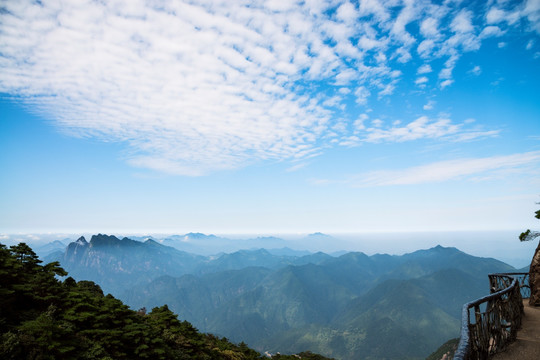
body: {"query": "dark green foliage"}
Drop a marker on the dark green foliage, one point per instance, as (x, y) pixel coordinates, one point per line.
(529, 235)
(42, 317)
(27, 289)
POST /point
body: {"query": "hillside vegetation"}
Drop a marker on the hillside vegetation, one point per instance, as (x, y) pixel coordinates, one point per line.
(349, 307)
(42, 317)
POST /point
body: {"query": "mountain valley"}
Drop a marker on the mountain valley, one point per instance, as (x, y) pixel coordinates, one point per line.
(347, 307)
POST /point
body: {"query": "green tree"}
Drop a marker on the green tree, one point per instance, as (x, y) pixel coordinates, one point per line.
(530, 235)
(8, 278)
(45, 337)
(182, 338)
(27, 288)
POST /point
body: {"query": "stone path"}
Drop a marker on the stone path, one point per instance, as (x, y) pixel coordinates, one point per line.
(527, 345)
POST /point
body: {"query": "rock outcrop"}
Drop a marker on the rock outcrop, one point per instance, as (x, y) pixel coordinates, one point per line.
(534, 278)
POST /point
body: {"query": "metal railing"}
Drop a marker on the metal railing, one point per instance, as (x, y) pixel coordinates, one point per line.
(490, 323)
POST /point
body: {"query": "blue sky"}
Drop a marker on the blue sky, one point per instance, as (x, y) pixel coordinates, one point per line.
(269, 116)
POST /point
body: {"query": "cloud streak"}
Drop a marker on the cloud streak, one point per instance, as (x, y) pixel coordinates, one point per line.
(200, 86)
(422, 128)
(479, 169)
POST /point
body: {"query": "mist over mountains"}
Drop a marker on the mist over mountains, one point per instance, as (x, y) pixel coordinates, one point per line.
(347, 307)
(207, 245)
(500, 245)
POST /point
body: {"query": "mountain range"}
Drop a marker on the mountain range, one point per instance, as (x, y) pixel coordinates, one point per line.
(203, 244)
(347, 307)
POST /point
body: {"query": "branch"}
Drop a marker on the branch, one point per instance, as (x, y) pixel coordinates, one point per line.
(529, 235)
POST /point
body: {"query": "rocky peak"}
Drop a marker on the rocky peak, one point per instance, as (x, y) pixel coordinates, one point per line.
(103, 240)
(76, 249)
(81, 241)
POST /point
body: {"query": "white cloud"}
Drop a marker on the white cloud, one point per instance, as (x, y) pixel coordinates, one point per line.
(429, 105)
(374, 7)
(197, 87)
(421, 80)
(333, 101)
(296, 167)
(346, 77)
(459, 169)
(403, 55)
(446, 72)
(446, 83)
(495, 15)
(429, 27)
(362, 95)
(387, 89)
(532, 12)
(424, 69)
(490, 31)
(420, 128)
(462, 23)
(407, 14)
(425, 128)
(347, 12)
(476, 70)
(367, 43)
(529, 9)
(279, 5)
(359, 123)
(425, 48)
(191, 89)
(350, 141)
(473, 135)
(377, 123)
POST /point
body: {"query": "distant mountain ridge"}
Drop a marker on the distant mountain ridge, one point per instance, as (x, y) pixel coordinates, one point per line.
(50, 248)
(348, 307)
(210, 244)
(119, 264)
(351, 307)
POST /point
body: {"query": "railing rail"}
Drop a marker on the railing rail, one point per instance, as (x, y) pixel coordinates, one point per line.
(490, 323)
(501, 281)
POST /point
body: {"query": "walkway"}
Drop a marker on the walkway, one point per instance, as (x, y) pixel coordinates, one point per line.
(527, 345)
